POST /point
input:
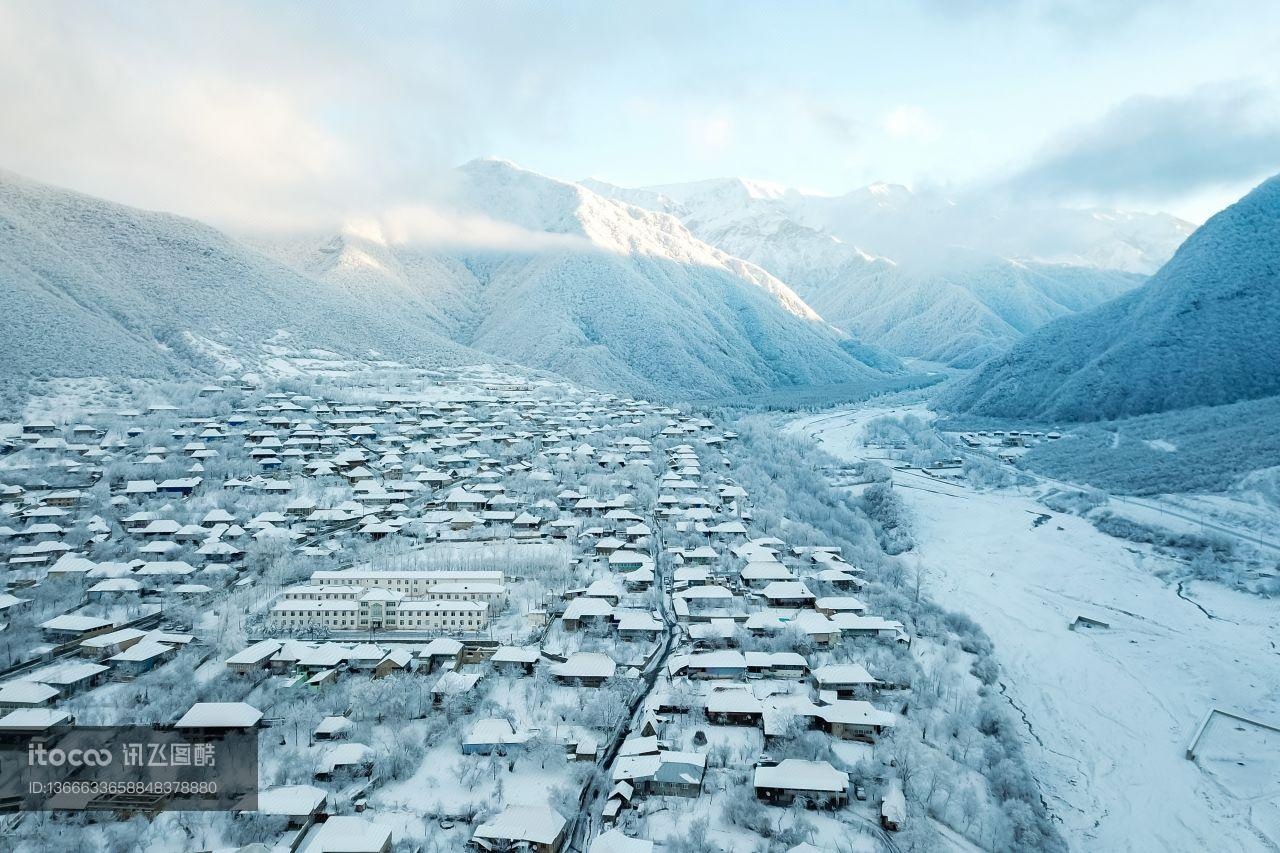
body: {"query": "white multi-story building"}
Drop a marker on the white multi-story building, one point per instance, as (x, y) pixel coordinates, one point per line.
(363, 599)
(371, 609)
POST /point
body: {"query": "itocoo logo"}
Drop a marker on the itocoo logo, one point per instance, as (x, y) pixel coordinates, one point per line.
(38, 756)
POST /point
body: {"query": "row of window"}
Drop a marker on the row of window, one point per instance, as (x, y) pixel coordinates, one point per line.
(312, 614)
(400, 623)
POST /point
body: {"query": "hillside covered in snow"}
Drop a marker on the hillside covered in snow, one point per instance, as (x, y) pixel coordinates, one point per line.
(1204, 331)
(520, 267)
(923, 275)
(552, 275)
(961, 313)
(93, 288)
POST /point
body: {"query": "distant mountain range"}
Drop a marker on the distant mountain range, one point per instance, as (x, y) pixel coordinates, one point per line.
(1204, 331)
(549, 275)
(952, 280)
(714, 289)
(889, 220)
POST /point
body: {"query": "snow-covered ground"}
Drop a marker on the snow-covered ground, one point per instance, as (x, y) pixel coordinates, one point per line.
(1109, 712)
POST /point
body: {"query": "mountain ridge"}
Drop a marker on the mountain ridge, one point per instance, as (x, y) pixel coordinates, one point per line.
(958, 305)
(1201, 332)
(628, 296)
(548, 275)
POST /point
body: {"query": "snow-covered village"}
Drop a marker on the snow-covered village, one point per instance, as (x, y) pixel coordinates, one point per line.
(691, 426)
(469, 609)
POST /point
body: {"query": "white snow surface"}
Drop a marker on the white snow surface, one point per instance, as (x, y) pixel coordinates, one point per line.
(540, 272)
(1108, 713)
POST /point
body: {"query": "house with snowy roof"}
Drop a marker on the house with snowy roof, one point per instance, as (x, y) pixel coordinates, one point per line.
(584, 669)
(218, 718)
(792, 779)
(538, 829)
(346, 834)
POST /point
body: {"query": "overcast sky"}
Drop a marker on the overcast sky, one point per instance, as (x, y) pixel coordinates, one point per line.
(273, 114)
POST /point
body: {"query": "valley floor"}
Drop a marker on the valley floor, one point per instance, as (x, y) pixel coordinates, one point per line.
(1108, 712)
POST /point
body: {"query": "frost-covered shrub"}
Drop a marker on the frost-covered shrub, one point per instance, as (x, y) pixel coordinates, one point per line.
(1136, 531)
(1076, 502)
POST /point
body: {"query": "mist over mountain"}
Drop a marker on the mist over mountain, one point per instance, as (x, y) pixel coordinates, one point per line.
(923, 275)
(1203, 331)
(973, 310)
(916, 228)
(704, 290)
(553, 275)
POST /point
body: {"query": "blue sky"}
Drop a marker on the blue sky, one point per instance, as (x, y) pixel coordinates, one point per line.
(245, 112)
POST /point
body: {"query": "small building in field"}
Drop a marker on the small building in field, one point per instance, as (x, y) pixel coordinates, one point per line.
(585, 669)
(346, 834)
(345, 760)
(726, 663)
(24, 725)
(515, 660)
(300, 804)
(734, 707)
(105, 645)
(62, 629)
(814, 782)
(26, 694)
(491, 735)
(777, 664)
(662, 772)
(255, 658)
(538, 829)
(141, 658)
(846, 680)
(218, 718)
(332, 728)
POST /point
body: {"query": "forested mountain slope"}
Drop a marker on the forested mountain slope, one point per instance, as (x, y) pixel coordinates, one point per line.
(1204, 331)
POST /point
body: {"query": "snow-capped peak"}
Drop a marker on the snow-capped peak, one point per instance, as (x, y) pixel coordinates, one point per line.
(881, 189)
(506, 192)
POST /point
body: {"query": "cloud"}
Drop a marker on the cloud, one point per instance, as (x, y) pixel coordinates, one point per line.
(428, 226)
(837, 125)
(712, 134)
(1158, 149)
(268, 115)
(909, 122)
(1077, 19)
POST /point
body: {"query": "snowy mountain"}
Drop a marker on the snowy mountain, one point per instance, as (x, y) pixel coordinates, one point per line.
(533, 270)
(975, 308)
(95, 288)
(1203, 331)
(948, 294)
(748, 220)
(553, 275)
(889, 220)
